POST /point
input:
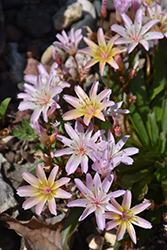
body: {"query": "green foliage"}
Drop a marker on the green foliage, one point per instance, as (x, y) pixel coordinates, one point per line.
(146, 178)
(3, 107)
(24, 131)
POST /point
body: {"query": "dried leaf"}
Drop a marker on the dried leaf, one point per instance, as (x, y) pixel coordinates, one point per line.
(37, 235)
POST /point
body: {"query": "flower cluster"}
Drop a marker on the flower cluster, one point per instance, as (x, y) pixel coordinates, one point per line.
(87, 146)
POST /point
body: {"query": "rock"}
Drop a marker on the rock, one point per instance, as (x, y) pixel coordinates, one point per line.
(16, 175)
(10, 156)
(7, 200)
(66, 16)
(9, 4)
(70, 63)
(95, 242)
(31, 67)
(8, 140)
(87, 21)
(97, 4)
(13, 34)
(16, 62)
(2, 31)
(8, 89)
(87, 8)
(35, 22)
(110, 236)
(110, 5)
(47, 56)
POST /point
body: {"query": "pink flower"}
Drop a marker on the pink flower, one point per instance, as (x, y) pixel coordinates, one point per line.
(69, 44)
(108, 155)
(122, 6)
(136, 4)
(89, 106)
(77, 146)
(158, 13)
(102, 53)
(126, 216)
(39, 98)
(42, 190)
(95, 198)
(56, 78)
(103, 10)
(44, 138)
(136, 33)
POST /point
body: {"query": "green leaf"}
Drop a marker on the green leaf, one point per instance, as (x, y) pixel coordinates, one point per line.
(160, 174)
(162, 143)
(140, 188)
(164, 187)
(139, 126)
(160, 76)
(128, 180)
(24, 131)
(137, 88)
(153, 130)
(70, 226)
(164, 115)
(3, 107)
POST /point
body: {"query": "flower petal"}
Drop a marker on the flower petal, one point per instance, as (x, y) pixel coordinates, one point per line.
(78, 203)
(52, 175)
(73, 163)
(121, 230)
(41, 174)
(60, 182)
(39, 206)
(52, 206)
(60, 193)
(100, 219)
(30, 202)
(86, 212)
(131, 231)
(26, 191)
(140, 222)
(140, 207)
(126, 203)
(112, 224)
(31, 179)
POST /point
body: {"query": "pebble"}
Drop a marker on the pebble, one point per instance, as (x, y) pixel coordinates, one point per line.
(47, 56)
(31, 67)
(87, 8)
(110, 236)
(7, 200)
(16, 62)
(95, 242)
(66, 16)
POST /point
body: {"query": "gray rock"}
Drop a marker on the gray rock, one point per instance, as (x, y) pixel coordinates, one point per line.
(35, 22)
(2, 31)
(87, 21)
(9, 4)
(16, 62)
(7, 199)
(97, 5)
(87, 7)
(66, 16)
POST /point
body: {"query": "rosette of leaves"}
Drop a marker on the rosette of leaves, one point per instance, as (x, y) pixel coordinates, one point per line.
(147, 125)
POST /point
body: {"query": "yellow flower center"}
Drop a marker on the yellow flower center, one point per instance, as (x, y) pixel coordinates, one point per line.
(127, 215)
(45, 190)
(88, 106)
